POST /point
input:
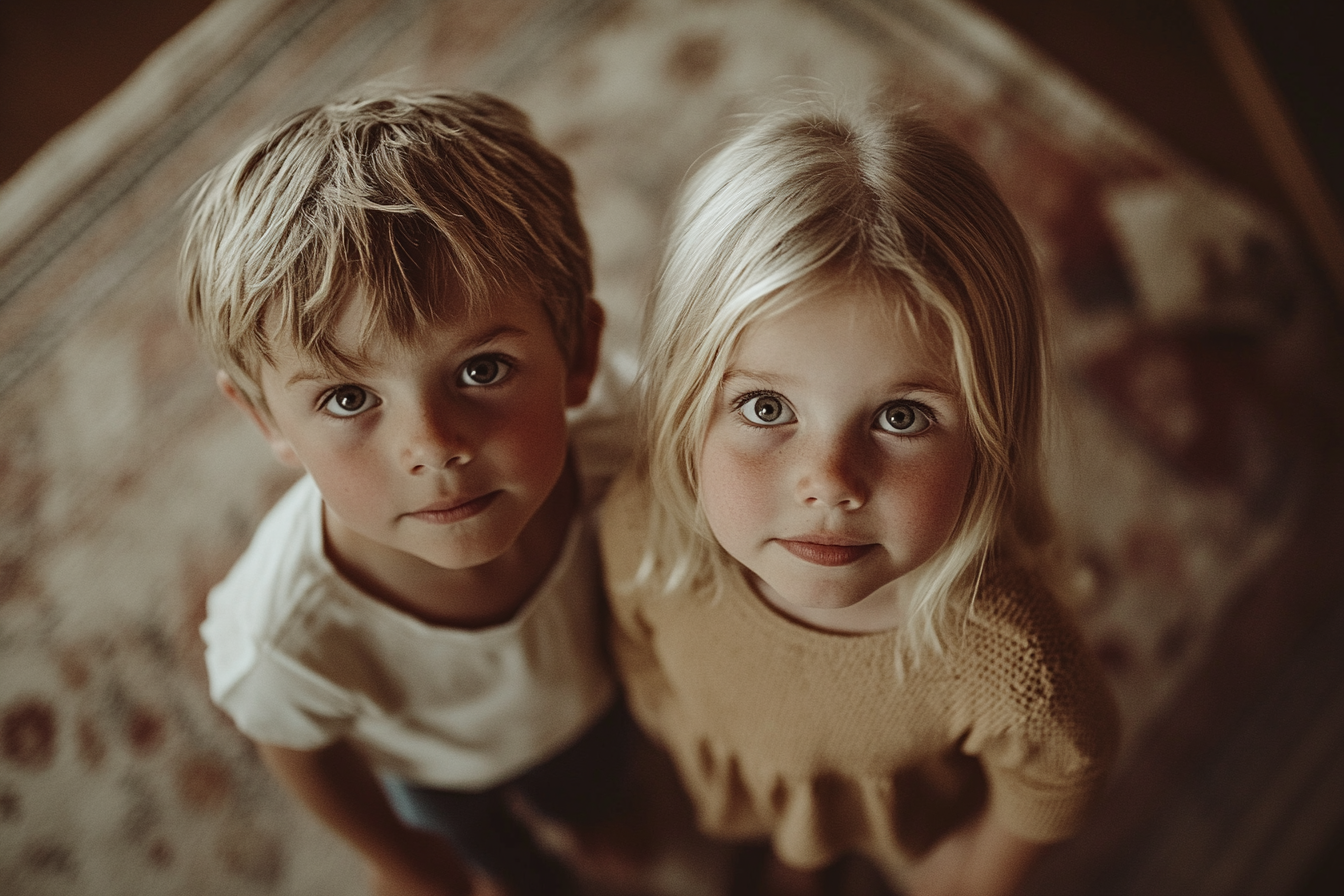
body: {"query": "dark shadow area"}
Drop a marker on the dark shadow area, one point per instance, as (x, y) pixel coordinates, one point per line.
(58, 58)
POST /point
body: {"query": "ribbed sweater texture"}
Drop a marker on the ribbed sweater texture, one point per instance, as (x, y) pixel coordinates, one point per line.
(813, 738)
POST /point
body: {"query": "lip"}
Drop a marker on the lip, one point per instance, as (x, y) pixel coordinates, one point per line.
(453, 510)
(826, 550)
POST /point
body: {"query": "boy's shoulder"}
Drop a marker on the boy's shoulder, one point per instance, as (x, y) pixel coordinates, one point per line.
(281, 570)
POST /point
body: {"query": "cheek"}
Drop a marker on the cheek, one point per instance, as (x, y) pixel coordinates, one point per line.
(931, 499)
(734, 490)
(348, 480)
(533, 435)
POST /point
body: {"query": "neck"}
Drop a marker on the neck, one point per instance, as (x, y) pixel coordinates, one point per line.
(883, 610)
(475, 597)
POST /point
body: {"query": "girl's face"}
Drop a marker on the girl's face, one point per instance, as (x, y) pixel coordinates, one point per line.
(837, 458)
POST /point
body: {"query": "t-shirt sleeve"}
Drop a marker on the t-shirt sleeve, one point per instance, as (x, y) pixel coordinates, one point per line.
(274, 700)
(1046, 727)
(259, 638)
(270, 697)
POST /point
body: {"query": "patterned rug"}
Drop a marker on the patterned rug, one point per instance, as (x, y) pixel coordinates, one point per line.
(1193, 468)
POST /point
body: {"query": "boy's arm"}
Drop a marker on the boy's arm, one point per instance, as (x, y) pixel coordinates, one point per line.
(982, 858)
(337, 785)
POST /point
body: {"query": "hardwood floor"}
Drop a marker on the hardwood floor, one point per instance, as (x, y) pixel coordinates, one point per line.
(58, 58)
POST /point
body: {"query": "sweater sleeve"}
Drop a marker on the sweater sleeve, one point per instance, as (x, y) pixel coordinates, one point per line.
(1046, 727)
(622, 529)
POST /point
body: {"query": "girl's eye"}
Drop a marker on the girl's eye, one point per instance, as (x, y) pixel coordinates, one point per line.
(347, 401)
(904, 418)
(765, 409)
(483, 371)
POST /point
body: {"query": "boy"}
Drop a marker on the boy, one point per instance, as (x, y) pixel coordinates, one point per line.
(397, 292)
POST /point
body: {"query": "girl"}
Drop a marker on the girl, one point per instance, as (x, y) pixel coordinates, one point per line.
(828, 562)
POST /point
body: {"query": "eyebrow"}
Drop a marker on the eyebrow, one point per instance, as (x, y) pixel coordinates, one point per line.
(480, 340)
(307, 374)
(941, 388)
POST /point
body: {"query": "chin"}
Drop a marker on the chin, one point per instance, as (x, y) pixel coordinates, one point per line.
(463, 556)
(821, 599)
(831, 595)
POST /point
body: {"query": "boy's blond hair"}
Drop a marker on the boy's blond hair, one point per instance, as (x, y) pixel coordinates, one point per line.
(881, 202)
(428, 203)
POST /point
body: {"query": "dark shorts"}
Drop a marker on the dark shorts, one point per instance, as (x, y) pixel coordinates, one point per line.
(578, 787)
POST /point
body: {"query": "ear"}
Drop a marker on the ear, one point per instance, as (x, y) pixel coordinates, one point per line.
(279, 444)
(583, 368)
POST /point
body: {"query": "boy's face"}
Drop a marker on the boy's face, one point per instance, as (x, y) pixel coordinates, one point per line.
(441, 450)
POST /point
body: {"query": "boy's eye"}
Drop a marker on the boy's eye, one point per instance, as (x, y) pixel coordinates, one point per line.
(483, 371)
(904, 418)
(347, 401)
(765, 409)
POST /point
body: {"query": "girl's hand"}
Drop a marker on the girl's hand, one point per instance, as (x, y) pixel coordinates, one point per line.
(430, 867)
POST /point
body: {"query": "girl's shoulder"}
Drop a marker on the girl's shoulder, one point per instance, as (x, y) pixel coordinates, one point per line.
(622, 517)
(623, 535)
(1024, 655)
(1013, 601)
(1015, 629)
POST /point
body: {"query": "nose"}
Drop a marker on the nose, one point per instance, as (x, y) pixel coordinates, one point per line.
(831, 472)
(435, 437)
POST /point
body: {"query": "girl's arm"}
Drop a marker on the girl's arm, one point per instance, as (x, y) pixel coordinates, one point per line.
(337, 785)
(982, 858)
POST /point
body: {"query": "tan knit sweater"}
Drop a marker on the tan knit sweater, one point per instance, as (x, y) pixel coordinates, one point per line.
(807, 736)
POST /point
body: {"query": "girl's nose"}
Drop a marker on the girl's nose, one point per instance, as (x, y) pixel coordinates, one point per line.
(831, 474)
(435, 439)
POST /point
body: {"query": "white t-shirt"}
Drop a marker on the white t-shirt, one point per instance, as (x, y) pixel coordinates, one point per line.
(299, 657)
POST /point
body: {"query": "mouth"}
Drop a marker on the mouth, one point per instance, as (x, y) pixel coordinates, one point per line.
(453, 511)
(825, 550)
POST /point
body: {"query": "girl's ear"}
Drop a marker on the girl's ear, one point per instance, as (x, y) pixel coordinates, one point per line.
(284, 451)
(583, 368)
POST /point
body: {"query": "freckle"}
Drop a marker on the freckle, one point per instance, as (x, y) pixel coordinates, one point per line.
(204, 783)
(28, 734)
(145, 731)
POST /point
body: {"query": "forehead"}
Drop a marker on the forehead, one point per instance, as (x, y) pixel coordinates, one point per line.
(858, 326)
(360, 331)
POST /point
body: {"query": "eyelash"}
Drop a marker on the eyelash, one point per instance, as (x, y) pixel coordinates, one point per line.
(506, 367)
(504, 364)
(740, 403)
(929, 414)
(324, 402)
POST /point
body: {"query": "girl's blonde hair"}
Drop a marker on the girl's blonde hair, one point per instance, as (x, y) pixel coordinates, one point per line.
(429, 202)
(797, 202)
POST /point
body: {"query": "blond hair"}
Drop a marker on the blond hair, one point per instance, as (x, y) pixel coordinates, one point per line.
(797, 202)
(428, 203)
